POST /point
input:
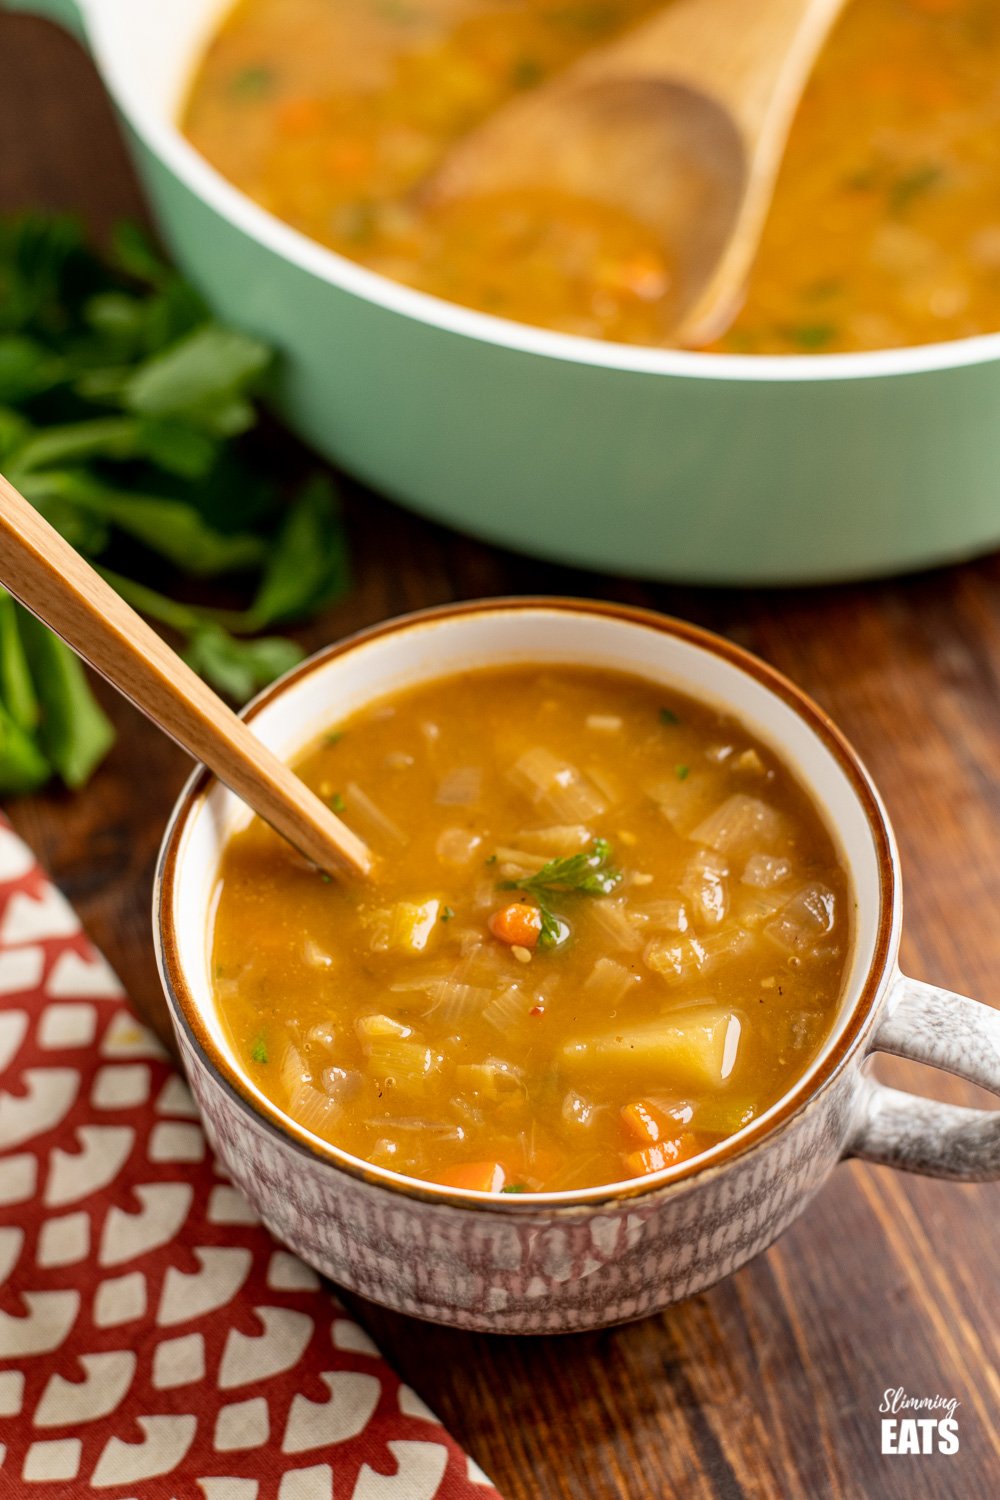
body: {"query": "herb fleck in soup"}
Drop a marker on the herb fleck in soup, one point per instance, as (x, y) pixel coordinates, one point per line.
(608, 929)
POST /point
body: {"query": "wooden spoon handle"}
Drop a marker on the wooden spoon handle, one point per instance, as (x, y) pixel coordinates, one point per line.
(53, 581)
(753, 57)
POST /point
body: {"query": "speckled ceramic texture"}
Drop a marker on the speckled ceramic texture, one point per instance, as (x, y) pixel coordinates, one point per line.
(948, 1031)
(543, 1263)
(526, 1272)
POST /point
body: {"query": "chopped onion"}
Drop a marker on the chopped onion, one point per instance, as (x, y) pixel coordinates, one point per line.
(683, 801)
(678, 1109)
(749, 760)
(423, 982)
(663, 916)
(409, 1064)
(454, 1000)
(311, 1108)
(484, 897)
(612, 918)
(292, 1069)
(609, 981)
(809, 916)
(375, 823)
(677, 962)
(577, 1112)
(315, 957)
(341, 1084)
(740, 825)
(551, 782)
(729, 943)
(604, 723)
(507, 1010)
(754, 907)
(384, 1153)
(605, 783)
(322, 1035)
(766, 870)
(517, 862)
(800, 1028)
(456, 846)
(468, 988)
(706, 887)
(374, 1029)
(560, 839)
(460, 788)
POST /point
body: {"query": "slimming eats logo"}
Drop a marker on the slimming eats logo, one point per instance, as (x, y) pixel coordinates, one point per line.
(918, 1434)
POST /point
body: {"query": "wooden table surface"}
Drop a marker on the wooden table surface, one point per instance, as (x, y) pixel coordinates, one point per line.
(770, 1384)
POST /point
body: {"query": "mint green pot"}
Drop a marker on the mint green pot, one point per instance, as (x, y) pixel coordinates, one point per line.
(703, 468)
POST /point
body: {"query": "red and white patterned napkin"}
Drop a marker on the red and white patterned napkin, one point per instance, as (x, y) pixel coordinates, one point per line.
(155, 1342)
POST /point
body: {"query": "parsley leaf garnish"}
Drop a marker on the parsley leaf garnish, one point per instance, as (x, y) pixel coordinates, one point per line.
(589, 873)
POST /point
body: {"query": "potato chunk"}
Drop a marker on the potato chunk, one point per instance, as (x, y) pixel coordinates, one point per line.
(696, 1045)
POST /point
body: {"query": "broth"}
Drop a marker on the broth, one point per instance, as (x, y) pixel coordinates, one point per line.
(884, 228)
(608, 929)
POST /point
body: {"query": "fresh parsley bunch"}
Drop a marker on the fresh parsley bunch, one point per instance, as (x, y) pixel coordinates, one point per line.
(123, 413)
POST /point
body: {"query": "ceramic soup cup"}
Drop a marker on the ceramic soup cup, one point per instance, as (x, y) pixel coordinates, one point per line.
(556, 1262)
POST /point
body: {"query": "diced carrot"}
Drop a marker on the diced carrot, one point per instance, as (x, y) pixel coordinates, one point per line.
(643, 274)
(350, 157)
(299, 116)
(664, 1154)
(518, 924)
(650, 1123)
(481, 1176)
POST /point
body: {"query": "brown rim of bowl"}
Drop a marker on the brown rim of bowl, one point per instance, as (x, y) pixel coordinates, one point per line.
(185, 1008)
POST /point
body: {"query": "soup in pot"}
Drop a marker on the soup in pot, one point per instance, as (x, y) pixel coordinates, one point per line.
(883, 230)
(608, 928)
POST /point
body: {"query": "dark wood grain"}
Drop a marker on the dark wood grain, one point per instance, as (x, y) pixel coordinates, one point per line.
(769, 1385)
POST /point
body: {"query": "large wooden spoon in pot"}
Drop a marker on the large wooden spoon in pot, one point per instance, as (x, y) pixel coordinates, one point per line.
(54, 582)
(682, 123)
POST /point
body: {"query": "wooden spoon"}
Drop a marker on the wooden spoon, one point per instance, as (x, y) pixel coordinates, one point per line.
(53, 581)
(682, 123)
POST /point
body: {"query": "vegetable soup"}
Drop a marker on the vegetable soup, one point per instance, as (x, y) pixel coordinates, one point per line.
(608, 928)
(884, 228)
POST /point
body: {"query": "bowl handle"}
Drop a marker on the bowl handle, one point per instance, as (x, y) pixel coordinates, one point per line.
(68, 13)
(903, 1130)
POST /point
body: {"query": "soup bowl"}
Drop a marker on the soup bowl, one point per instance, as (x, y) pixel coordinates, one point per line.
(689, 466)
(561, 1261)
